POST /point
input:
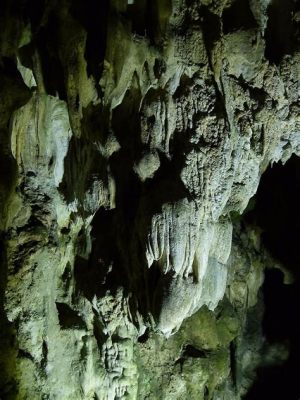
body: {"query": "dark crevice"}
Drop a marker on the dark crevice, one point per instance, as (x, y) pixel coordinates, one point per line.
(24, 354)
(141, 14)
(166, 186)
(154, 280)
(108, 264)
(84, 349)
(232, 350)
(211, 25)
(34, 11)
(281, 325)
(206, 393)
(8, 343)
(93, 16)
(190, 351)
(23, 253)
(149, 18)
(276, 213)
(144, 337)
(45, 355)
(47, 42)
(68, 318)
(104, 269)
(159, 67)
(98, 332)
(279, 32)
(126, 126)
(238, 17)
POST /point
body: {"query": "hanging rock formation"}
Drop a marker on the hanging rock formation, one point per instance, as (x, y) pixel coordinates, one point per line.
(133, 135)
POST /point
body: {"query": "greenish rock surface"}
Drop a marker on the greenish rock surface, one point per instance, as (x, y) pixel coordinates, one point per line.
(133, 135)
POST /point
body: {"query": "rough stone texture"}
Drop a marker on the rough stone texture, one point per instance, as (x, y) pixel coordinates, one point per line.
(133, 134)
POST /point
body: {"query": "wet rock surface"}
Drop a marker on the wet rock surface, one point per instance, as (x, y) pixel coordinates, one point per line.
(135, 261)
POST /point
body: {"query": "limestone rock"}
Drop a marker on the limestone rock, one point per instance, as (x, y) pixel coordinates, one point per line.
(133, 135)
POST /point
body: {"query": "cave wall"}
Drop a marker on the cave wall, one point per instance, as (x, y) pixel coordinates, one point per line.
(133, 135)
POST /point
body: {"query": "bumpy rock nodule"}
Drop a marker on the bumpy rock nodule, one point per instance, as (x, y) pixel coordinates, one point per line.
(131, 134)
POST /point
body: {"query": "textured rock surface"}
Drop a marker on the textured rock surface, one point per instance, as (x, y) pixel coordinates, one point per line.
(133, 135)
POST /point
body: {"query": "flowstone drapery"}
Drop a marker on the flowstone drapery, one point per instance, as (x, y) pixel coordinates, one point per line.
(133, 135)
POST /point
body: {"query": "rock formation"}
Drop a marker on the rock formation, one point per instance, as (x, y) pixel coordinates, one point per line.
(134, 135)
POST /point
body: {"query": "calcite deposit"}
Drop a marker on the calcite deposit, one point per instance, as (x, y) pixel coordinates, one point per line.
(133, 135)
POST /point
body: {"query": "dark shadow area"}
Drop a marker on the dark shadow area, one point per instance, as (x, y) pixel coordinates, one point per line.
(45, 43)
(109, 265)
(211, 25)
(93, 16)
(120, 235)
(276, 211)
(103, 270)
(280, 28)
(68, 318)
(238, 16)
(281, 325)
(159, 67)
(144, 337)
(33, 10)
(8, 352)
(149, 18)
(50, 37)
(98, 329)
(190, 351)
(141, 14)
(158, 286)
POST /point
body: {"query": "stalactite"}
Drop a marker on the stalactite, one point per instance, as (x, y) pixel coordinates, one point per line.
(135, 259)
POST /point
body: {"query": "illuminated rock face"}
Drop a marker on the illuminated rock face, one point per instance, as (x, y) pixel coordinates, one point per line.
(131, 134)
